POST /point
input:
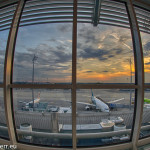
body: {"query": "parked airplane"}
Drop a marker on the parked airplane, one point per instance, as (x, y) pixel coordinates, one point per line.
(30, 104)
(99, 104)
(65, 110)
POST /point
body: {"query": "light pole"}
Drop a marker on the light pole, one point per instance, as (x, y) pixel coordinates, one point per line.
(130, 81)
(33, 60)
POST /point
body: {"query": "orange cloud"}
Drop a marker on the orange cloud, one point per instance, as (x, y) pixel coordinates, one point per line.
(100, 76)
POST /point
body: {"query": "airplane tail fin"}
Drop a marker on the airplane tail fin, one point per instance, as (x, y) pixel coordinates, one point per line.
(92, 92)
(39, 95)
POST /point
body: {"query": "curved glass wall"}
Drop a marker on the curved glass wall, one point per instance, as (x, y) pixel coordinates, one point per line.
(61, 99)
(104, 56)
(143, 21)
(3, 41)
(146, 43)
(3, 124)
(43, 55)
(6, 16)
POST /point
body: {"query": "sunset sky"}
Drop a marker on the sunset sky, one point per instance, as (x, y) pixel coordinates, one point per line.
(103, 53)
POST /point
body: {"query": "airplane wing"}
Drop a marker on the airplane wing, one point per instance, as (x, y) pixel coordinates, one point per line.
(22, 102)
(82, 103)
(117, 100)
(86, 104)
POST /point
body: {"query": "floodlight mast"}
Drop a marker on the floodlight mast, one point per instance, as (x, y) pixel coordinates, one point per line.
(33, 60)
(130, 81)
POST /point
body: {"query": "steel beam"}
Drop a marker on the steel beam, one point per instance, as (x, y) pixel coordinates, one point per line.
(139, 73)
(8, 72)
(96, 12)
(107, 86)
(74, 66)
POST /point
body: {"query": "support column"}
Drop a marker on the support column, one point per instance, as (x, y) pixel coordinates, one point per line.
(139, 76)
(8, 71)
(74, 63)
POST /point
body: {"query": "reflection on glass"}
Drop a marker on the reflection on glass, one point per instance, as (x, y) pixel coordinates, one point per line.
(105, 54)
(50, 113)
(146, 48)
(3, 41)
(3, 125)
(45, 52)
(145, 147)
(145, 128)
(101, 112)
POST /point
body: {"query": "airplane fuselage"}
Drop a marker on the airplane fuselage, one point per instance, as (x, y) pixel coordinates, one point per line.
(37, 100)
(99, 104)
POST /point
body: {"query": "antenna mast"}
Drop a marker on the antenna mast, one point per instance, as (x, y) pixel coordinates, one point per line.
(130, 81)
(33, 60)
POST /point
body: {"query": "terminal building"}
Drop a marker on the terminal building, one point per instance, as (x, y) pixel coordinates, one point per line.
(75, 74)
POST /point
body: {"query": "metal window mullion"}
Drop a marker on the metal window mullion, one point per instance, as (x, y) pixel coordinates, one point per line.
(139, 66)
(1, 85)
(8, 71)
(146, 86)
(44, 22)
(74, 63)
(41, 86)
(107, 86)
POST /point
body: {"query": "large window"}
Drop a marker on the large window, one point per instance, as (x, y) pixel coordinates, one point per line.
(6, 15)
(105, 57)
(43, 56)
(3, 124)
(104, 113)
(71, 75)
(143, 22)
(51, 112)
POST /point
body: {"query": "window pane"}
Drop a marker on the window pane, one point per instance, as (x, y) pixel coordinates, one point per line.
(143, 18)
(101, 112)
(104, 44)
(43, 50)
(146, 48)
(144, 147)
(105, 54)
(145, 129)
(3, 41)
(3, 124)
(6, 16)
(52, 113)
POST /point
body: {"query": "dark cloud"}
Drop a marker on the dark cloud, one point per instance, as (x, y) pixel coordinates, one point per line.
(88, 71)
(23, 57)
(147, 63)
(2, 52)
(105, 71)
(48, 64)
(118, 51)
(110, 56)
(94, 53)
(65, 27)
(62, 57)
(89, 34)
(147, 46)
